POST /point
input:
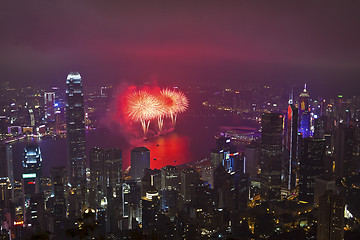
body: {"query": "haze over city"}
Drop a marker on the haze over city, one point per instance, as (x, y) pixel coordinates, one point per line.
(186, 43)
(179, 120)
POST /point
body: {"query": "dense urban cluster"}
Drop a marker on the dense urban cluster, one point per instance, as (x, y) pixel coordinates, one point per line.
(296, 178)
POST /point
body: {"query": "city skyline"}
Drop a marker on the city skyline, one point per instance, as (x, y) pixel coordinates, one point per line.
(180, 120)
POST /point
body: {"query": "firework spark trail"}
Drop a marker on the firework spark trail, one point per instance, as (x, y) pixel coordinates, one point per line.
(160, 121)
(167, 101)
(142, 108)
(179, 103)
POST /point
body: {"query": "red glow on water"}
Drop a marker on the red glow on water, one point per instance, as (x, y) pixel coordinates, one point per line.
(172, 149)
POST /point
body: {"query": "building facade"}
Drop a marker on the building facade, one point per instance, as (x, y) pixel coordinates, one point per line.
(75, 128)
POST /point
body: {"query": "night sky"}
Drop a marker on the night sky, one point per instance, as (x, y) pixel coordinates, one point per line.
(217, 43)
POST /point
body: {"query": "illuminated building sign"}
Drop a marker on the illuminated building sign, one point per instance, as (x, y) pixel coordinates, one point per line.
(29, 175)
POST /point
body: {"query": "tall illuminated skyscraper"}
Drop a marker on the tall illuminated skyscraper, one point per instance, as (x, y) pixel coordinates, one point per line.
(304, 114)
(75, 127)
(49, 99)
(271, 154)
(291, 146)
(31, 177)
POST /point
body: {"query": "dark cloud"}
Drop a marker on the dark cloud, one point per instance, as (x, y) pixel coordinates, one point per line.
(188, 41)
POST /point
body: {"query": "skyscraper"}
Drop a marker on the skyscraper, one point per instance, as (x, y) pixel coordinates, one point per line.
(304, 114)
(58, 183)
(252, 155)
(6, 163)
(49, 99)
(291, 146)
(331, 217)
(170, 177)
(105, 172)
(271, 154)
(188, 177)
(344, 151)
(31, 177)
(75, 127)
(113, 169)
(320, 126)
(97, 183)
(32, 159)
(311, 167)
(140, 160)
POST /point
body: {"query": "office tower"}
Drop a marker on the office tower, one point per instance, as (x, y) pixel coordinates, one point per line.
(31, 177)
(233, 161)
(113, 170)
(5, 194)
(291, 147)
(37, 212)
(140, 160)
(224, 188)
(75, 129)
(330, 109)
(311, 166)
(32, 160)
(252, 155)
(150, 206)
(219, 155)
(170, 177)
(344, 150)
(216, 157)
(151, 180)
(49, 100)
(340, 108)
(58, 183)
(322, 185)
(331, 217)
(6, 163)
(320, 126)
(113, 185)
(169, 200)
(131, 195)
(97, 181)
(4, 123)
(155, 179)
(105, 175)
(304, 101)
(242, 188)
(6, 207)
(188, 178)
(271, 155)
(304, 114)
(207, 175)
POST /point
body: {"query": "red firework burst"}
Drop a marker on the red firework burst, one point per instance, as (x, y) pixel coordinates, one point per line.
(143, 107)
(169, 101)
(176, 103)
(148, 104)
(182, 102)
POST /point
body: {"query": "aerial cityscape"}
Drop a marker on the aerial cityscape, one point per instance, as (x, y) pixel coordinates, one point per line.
(180, 120)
